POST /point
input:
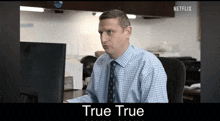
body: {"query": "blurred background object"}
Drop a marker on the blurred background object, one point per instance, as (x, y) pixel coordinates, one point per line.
(88, 63)
(99, 53)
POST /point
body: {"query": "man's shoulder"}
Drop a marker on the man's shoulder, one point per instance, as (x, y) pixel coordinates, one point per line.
(146, 56)
(103, 59)
(148, 61)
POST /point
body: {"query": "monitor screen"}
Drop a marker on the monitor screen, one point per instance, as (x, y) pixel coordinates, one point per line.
(43, 68)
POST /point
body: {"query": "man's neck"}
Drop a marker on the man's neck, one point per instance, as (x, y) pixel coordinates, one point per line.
(117, 54)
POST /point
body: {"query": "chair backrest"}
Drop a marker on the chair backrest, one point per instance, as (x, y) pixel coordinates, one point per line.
(176, 78)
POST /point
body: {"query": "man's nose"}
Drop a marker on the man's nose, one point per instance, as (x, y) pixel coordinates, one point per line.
(104, 37)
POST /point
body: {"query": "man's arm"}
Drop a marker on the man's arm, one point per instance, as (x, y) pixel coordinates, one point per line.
(154, 84)
(65, 101)
(82, 99)
(90, 98)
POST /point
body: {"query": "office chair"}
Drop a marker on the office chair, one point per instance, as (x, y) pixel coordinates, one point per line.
(88, 63)
(176, 77)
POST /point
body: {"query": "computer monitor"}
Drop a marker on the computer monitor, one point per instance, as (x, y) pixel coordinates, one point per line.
(43, 68)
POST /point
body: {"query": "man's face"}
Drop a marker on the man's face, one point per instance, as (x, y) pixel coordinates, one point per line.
(112, 36)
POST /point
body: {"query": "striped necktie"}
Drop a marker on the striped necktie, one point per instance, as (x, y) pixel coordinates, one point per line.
(111, 84)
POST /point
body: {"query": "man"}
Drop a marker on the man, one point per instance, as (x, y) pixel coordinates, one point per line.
(136, 76)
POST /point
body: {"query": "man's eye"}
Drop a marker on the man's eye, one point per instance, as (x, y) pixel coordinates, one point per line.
(109, 31)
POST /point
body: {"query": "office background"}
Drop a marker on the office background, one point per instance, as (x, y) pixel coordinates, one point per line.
(9, 24)
(79, 30)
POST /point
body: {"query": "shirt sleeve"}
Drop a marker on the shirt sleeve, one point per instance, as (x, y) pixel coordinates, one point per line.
(90, 97)
(154, 83)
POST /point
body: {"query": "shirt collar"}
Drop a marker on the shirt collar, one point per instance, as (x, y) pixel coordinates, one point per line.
(125, 57)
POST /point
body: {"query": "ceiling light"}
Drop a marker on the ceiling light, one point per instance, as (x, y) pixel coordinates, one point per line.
(131, 16)
(33, 9)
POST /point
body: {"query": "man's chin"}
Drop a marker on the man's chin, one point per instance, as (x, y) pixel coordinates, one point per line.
(106, 51)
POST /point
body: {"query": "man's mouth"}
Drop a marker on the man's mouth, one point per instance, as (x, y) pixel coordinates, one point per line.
(105, 46)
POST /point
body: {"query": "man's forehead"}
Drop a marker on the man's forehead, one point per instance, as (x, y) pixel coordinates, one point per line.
(111, 22)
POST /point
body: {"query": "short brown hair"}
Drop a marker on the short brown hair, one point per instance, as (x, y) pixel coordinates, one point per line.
(115, 13)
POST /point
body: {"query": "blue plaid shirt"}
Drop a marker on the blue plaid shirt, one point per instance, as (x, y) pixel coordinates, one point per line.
(139, 75)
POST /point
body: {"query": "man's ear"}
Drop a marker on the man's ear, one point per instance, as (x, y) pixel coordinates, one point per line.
(128, 31)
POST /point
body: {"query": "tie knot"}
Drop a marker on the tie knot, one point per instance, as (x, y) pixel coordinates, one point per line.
(113, 63)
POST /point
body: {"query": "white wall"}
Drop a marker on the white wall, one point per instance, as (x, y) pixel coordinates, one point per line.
(79, 30)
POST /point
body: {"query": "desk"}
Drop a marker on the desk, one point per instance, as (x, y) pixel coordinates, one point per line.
(73, 93)
(191, 96)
